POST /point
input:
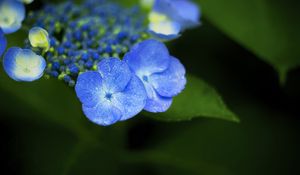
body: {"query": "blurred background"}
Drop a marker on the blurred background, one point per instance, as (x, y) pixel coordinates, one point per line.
(44, 132)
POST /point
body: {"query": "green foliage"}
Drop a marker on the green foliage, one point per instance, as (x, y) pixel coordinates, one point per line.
(50, 99)
(267, 28)
(197, 100)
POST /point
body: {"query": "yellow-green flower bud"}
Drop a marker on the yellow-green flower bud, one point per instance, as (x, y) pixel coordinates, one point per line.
(39, 37)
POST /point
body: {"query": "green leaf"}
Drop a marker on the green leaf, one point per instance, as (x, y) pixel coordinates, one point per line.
(49, 149)
(197, 100)
(265, 27)
(49, 100)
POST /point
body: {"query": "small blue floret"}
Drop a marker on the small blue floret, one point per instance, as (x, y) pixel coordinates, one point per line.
(55, 65)
(67, 78)
(54, 74)
(73, 69)
(60, 50)
(85, 56)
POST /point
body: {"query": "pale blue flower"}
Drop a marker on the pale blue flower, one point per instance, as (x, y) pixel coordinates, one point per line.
(162, 27)
(12, 13)
(185, 12)
(23, 64)
(170, 17)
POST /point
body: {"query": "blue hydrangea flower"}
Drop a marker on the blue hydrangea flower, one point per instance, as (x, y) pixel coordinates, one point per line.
(184, 13)
(111, 94)
(38, 37)
(162, 75)
(12, 13)
(23, 64)
(3, 42)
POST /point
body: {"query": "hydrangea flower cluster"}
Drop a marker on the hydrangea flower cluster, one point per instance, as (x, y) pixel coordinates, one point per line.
(113, 56)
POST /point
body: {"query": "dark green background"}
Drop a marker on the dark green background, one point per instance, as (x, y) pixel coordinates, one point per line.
(266, 141)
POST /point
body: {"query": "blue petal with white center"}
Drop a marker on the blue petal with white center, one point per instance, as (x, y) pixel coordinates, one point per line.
(3, 42)
(111, 94)
(185, 12)
(162, 27)
(23, 64)
(162, 84)
(12, 13)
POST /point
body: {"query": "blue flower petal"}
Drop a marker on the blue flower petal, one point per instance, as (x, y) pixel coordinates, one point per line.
(3, 42)
(163, 37)
(132, 100)
(170, 82)
(23, 64)
(88, 88)
(184, 12)
(147, 57)
(102, 114)
(12, 15)
(115, 73)
(156, 103)
(160, 85)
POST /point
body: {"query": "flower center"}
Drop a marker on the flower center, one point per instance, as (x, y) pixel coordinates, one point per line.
(145, 78)
(6, 21)
(108, 96)
(26, 70)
